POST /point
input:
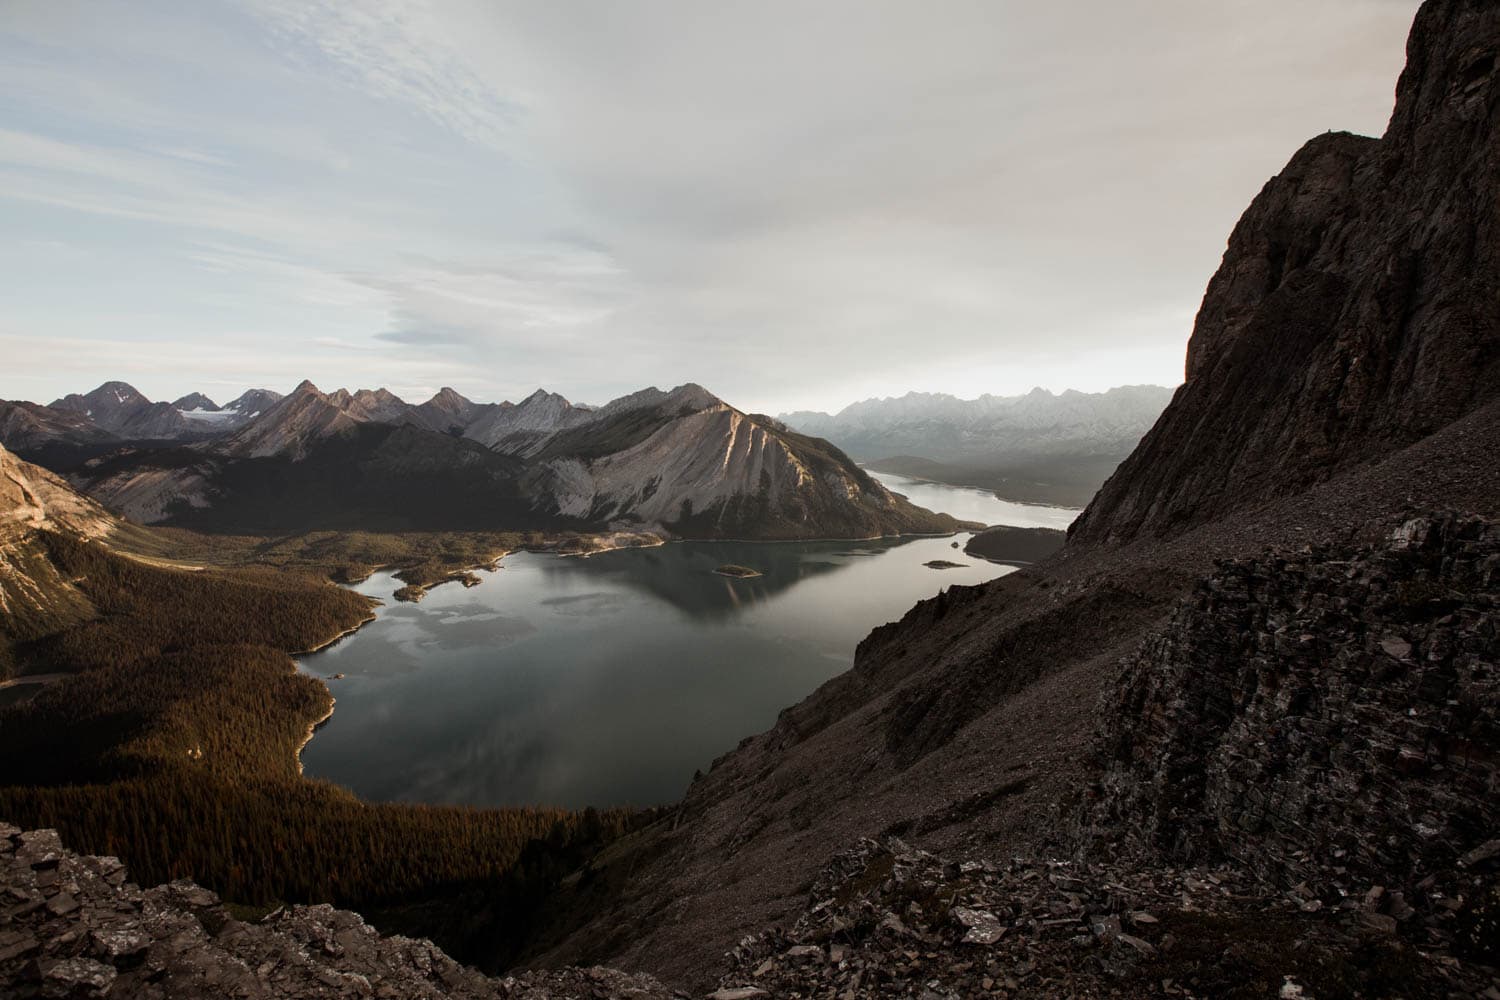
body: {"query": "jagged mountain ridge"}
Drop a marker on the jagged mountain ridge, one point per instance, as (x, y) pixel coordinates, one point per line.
(680, 461)
(117, 410)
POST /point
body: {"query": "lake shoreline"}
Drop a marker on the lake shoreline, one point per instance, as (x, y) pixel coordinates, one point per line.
(312, 729)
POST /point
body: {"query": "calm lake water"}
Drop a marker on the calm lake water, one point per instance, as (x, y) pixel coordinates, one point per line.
(609, 680)
(968, 504)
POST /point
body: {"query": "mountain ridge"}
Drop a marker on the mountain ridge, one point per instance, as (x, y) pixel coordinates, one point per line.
(680, 461)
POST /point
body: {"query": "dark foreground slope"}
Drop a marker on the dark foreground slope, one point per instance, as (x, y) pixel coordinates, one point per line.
(1316, 412)
(82, 930)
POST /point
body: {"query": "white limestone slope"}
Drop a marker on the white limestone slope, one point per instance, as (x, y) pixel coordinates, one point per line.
(700, 463)
(33, 593)
(31, 498)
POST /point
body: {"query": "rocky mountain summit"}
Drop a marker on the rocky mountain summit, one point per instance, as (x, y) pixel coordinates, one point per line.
(72, 927)
(1353, 313)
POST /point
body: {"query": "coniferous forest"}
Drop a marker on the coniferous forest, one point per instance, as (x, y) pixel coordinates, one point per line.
(174, 747)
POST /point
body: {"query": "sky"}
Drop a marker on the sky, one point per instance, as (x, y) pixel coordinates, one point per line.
(796, 204)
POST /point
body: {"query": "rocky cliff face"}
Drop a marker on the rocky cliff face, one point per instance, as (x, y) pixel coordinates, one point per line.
(1326, 720)
(73, 926)
(1354, 311)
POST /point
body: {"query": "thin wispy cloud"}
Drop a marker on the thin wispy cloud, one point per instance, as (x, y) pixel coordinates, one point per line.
(395, 49)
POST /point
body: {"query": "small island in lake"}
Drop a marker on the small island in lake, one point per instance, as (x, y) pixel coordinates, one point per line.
(943, 564)
(742, 572)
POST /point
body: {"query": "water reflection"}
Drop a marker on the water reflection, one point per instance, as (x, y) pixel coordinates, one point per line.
(969, 504)
(682, 574)
(604, 680)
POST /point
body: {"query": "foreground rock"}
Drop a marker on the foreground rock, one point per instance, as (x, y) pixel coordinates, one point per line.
(72, 926)
(1328, 719)
(886, 920)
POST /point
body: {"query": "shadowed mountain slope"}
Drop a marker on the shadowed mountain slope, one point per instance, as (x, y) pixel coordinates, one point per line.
(1342, 376)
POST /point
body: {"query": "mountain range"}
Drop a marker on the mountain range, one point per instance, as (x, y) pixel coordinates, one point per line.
(1040, 446)
(682, 461)
(119, 409)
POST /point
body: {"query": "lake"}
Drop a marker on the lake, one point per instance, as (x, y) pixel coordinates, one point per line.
(970, 504)
(608, 680)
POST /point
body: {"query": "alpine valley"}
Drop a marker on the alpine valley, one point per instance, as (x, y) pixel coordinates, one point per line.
(1237, 735)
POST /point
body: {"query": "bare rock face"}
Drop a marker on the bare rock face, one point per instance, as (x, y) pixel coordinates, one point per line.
(71, 926)
(887, 920)
(1328, 720)
(1354, 312)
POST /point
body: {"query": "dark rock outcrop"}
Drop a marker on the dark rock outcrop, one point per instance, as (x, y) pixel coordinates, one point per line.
(1355, 309)
(885, 919)
(72, 926)
(1329, 719)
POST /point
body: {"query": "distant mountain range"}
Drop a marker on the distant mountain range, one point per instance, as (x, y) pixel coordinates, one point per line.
(682, 461)
(119, 409)
(1045, 447)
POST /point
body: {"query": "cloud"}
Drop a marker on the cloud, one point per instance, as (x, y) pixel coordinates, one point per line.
(794, 204)
(395, 49)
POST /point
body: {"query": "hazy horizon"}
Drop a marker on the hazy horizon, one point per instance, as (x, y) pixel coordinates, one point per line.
(797, 208)
(230, 395)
